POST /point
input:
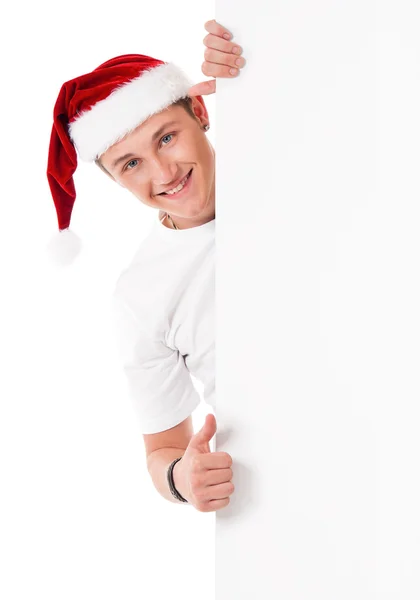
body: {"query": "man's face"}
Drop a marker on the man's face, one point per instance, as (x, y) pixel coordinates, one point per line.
(159, 153)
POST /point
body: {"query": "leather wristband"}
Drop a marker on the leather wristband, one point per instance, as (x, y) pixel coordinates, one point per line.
(171, 483)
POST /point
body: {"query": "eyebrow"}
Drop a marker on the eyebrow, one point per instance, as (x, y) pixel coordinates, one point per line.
(154, 136)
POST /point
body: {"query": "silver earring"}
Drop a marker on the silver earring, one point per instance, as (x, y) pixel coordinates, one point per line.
(206, 127)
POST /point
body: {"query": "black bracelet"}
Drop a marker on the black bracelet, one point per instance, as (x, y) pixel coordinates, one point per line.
(171, 483)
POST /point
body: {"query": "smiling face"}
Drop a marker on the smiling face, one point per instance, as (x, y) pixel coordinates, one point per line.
(159, 154)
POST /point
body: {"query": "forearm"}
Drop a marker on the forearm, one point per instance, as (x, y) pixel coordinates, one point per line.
(158, 463)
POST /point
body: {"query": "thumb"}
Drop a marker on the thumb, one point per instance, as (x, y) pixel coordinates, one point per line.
(200, 441)
(203, 89)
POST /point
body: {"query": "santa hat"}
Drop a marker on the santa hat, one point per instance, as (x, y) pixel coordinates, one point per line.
(93, 112)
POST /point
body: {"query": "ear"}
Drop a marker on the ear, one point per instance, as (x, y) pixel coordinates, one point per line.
(199, 108)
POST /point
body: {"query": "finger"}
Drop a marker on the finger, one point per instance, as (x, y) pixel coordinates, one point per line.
(213, 41)
(216, 476)
(214, 27)
(213, 505)
(203, 89)
(215, 460)
(213, 70)
(222, 58)
(217, 492)
(200, 441)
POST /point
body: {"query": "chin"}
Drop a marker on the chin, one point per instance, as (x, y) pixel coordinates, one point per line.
(189, 212)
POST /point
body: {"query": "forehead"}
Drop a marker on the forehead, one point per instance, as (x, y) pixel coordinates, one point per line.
(143, 135)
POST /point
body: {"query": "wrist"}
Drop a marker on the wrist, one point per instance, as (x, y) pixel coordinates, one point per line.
(178, 479)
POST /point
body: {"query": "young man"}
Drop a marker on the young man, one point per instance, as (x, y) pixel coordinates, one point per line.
(142, 122)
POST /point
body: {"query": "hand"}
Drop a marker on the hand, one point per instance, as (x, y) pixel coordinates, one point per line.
(204, 477)
(219, 58)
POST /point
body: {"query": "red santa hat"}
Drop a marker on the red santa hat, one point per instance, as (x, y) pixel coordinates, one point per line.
(95, 111)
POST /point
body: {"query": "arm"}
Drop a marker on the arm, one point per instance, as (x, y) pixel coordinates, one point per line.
(203, 477)
(161, 449)
(158, 464)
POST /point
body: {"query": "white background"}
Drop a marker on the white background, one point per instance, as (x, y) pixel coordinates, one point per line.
(317, 300)
(79, 516)
(318, 295)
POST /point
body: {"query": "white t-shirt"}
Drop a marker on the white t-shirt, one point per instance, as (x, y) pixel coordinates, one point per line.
(163, 315)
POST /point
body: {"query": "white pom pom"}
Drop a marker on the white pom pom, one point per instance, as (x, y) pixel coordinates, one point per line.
(63, 248)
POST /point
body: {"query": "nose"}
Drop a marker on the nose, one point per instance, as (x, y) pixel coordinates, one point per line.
(161, 172)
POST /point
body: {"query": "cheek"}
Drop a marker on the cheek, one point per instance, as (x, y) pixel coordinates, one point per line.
(136, 184)
(141, 191)
(207, 162)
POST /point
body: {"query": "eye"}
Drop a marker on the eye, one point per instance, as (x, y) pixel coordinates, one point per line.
(166, 136)
(127, 166)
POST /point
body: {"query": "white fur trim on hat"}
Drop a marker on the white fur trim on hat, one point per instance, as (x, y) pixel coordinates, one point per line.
(63, 248)
(127, 106)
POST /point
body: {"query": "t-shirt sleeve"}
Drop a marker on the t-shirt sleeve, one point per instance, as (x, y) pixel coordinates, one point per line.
(159, 383)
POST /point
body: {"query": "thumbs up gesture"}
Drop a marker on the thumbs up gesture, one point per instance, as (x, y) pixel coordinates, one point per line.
(205, 475)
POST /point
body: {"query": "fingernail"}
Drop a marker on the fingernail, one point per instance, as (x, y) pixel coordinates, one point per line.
(236, 50)
(233, 71)
(226, 36)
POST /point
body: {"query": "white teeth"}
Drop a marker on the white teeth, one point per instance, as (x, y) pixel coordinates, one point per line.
(179, 187)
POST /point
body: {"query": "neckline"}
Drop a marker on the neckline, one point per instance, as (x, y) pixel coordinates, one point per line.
(183, 234)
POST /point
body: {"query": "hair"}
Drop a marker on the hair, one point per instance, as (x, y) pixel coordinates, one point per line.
(185, 102)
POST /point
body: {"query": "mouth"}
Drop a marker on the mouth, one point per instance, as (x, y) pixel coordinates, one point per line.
(181, 192)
